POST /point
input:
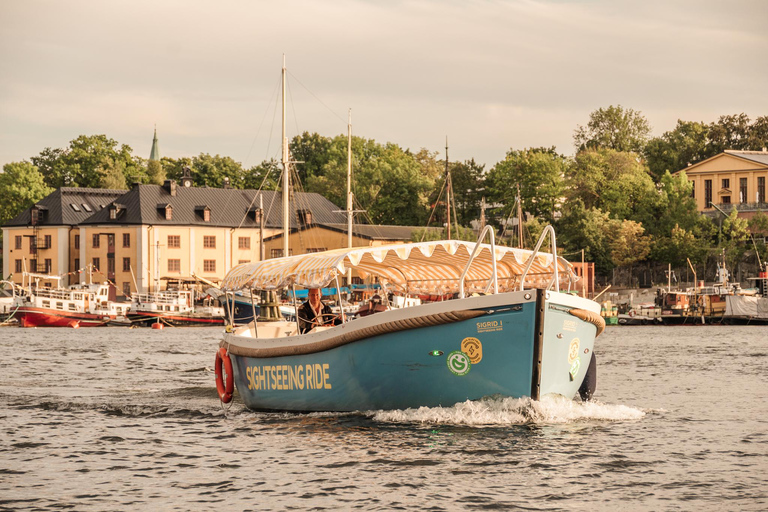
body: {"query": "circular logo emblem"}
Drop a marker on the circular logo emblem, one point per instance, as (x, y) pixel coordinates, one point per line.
(573, 350)
(459, 363)
(473, 348)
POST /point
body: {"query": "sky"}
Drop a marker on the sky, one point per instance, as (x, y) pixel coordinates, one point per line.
(488, 75)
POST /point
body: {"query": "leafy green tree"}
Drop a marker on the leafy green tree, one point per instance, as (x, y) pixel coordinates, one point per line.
(155, 172)
(112, 177)
(758, 224)
(736, 235)
(87, 161)
(312, 151)
(468, 183)
(615, 182)
(540, 174)
(432, 234)
(675, 206)
(589, 229)
(677, 149)
(680, 245)
(613, 128)
(21, 186)
(729, 132)
(212, 171)
(266, 176)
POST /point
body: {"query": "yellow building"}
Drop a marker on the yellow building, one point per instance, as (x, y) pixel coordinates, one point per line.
(144, 237)
(732, 179)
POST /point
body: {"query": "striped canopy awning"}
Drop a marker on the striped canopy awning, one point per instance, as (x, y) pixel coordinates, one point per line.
(426, 267)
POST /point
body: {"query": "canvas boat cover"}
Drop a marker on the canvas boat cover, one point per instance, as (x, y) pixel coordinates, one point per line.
(417, 268)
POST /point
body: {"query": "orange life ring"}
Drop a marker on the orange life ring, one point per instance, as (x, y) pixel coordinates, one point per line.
(225, 383)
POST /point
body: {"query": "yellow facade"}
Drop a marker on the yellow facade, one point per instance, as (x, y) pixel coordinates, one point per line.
(729, 180)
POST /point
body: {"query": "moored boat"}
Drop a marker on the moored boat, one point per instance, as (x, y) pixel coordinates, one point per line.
(80, 305)
(174, 307)
(514, 336)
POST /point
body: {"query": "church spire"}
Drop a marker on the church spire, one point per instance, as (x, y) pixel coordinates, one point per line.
(155, 153)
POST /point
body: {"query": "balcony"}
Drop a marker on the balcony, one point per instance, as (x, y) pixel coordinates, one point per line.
(740, 207)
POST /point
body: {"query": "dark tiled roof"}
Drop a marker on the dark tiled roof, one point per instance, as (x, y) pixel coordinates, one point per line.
(371, 232)
(760, 157)
(59, 209)
(145, 204)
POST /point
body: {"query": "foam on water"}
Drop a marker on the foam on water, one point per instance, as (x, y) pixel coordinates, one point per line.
(513, 411)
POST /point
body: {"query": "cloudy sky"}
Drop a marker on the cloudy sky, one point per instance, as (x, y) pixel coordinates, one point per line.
(489, 74)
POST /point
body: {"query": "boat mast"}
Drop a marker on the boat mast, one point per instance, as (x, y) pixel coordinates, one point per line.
(349, 181)
(286, 177)
(448, 192)
(519, 219)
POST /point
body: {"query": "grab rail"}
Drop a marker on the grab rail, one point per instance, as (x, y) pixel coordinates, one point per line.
(494, 277)
(549, 229)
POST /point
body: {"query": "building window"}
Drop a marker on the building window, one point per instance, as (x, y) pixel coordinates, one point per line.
(77, 264)
(126, 239)
(18, 242)
(47, 242)
(726, 183)
(96, 264)
(278, 253)
(126, 288)
(742, 190)
(168, 213)
(96, 243)
(48, 266)
(19, 268)
(244, 242)
(209, 242)
(174, 241)
(33, 245)
(33, 265)
(77, 242)
(207, 215)
(761, 189)
(316, 249)
(174, 265)
(240, 262)
(726, 199)
(707, 193)
(693, 189)
(126, 264)
(209, 265)
(111, 265)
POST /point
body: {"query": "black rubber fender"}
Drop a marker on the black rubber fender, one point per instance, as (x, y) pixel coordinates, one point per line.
(589, 384)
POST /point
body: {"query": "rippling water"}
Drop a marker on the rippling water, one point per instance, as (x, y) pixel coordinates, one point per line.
(127, 419)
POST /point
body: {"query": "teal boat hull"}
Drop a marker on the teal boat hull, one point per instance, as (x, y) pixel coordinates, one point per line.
(517, 344)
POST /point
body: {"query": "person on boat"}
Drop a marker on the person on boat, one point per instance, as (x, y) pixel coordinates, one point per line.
(314, 312)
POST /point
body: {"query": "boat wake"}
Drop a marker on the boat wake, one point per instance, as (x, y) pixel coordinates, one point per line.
(495, 411)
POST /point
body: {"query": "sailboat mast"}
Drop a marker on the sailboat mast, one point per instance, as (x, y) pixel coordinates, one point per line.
(286, 178)
(349, 180)
(448, 192)
(519, 219)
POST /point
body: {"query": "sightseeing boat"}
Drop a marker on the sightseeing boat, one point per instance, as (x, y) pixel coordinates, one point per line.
(511, 332)
(175, 307)
(80, 305)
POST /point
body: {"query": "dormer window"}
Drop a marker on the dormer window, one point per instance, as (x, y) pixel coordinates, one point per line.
(169, 212)
(115, 211)
(37, 214)
(304, 217)
(87, 208)
(256, 214)
(74, 207)
(204, 212)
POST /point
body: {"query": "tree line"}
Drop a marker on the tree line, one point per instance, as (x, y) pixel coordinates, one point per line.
(618, 197)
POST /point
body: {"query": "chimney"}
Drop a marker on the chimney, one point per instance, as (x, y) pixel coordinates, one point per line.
(170, 187)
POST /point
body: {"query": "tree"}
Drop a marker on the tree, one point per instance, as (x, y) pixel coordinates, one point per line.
(155, 172)
(540, 174)
(680, 245)
(629, 244)
(677, 149)
(87, 161)
(21, 186)
(588, 229)
(212, 171)
(312, 151)
(729, 132)
(613, 128)
(468, 183)
(112, 177)
(614, 182)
